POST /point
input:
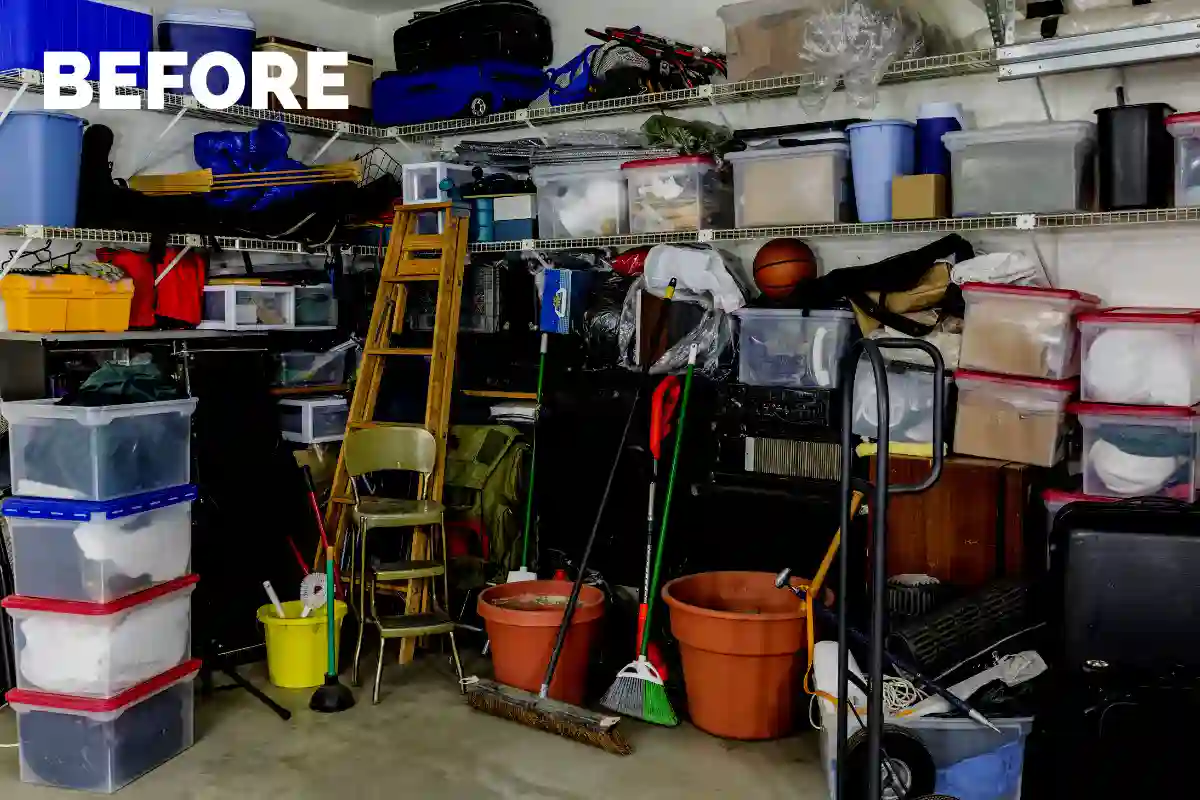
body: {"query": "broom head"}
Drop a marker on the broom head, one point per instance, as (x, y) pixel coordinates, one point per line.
(639, 692)
(553, 716)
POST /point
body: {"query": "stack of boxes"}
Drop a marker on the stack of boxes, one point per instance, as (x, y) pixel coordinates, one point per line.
(101, 539)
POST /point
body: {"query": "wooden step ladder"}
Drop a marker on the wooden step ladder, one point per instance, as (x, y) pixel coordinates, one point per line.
(412, 257)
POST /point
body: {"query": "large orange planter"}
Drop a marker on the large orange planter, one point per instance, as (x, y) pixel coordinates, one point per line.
(522, 622)
(743, 647)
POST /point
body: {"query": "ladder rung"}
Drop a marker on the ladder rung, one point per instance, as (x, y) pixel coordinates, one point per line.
(343, 501)
(417, 208)
(424, 242)
(413, 277)
(362, 426)
(400, 351)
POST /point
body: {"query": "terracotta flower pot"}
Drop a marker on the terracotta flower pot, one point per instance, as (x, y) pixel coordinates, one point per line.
(743, 647)
(522, 621)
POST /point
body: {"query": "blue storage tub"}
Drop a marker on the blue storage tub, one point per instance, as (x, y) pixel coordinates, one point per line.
(39, 183)
(30, 28)
(210, 30)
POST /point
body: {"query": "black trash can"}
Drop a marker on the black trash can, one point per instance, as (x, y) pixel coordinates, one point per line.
(1137, 157)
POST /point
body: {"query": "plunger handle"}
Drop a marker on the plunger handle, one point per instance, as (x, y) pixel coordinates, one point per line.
(331, 670)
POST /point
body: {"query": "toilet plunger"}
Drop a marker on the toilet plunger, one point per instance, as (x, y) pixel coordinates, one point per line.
(333, 696)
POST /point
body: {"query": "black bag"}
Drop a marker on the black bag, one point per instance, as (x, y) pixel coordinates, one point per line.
(474, 30)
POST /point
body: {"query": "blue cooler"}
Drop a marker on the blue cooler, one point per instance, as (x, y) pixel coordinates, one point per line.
(210, 30)
(30, 28)
(41, 181)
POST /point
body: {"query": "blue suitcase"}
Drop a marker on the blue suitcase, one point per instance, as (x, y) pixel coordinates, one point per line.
(468, 90)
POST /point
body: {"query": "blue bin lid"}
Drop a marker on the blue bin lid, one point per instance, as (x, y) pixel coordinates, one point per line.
(55, 114)
(84, 510)
(210, 17)
(877, 123)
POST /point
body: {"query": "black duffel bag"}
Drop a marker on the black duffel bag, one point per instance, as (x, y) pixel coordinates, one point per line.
(474, 30)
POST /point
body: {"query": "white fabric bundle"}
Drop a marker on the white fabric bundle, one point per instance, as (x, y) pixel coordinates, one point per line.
(161, 548)
(1130, 475)
(1139, 367)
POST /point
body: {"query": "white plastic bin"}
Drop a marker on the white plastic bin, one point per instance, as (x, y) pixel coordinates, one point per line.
(793, 185)
(1034, 167)
(1138, 451)
(104, 745)
(1141, 356)
(422, 183)
(100, 552)
(910, 401)
(101, 649)
(1011, 419)
(581, 199)
(249, 308)
(677, 193)
(314, 420)
(100, 452)
(1023, 330)
(970, 757)
(1185, 128)
(786, 347)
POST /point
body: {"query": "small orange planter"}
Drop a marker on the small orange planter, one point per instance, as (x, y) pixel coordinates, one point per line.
(743, 647)
(522, 622)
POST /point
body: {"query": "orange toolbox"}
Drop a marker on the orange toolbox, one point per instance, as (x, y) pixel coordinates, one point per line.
(65, 303)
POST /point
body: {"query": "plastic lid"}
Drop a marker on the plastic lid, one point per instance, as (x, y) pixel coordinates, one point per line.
(1172, 316)
(669, 161)
(81, 609)
(572, 169)
(64, 702)
(1032, 383)
(84, 510)
(55, 114)
(804, 151)
(1025, 132)
(1051, 496)
(1031, 291)
(1191, 117)
(212, 17)
(1111, 409)
(876, 123)
(820, 313)
(941, 110)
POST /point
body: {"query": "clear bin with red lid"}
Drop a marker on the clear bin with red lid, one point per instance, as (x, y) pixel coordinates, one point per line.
(1141, 356)
(1023, 330)
(1011, 419)
(99, 650)
(103, 745)
(1138, 451)
(677, 193)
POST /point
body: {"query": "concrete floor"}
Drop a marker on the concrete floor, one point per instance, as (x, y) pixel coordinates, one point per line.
(424, 741)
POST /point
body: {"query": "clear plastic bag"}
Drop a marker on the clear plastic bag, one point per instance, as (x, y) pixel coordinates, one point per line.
(711, 336)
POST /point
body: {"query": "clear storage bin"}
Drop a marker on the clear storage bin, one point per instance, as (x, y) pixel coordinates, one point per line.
(100, 552)
(100, 452)
(679, 193)
(249, 308)
(786, 347)
(316, 306)
(581, 199)
(422, 183)
(1185, 129)
(971, 760)
(1138, 451)
(314, 420)
(1141, 356)
(793, 185)
(1022, 330)
(104, 745)
(1035, 167)
(298, 368)
(1011, 419)
(910, 401)
(101, 649)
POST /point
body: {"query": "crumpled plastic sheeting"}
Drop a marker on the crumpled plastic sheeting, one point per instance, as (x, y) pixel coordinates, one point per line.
(1015, 269)
(852, 41)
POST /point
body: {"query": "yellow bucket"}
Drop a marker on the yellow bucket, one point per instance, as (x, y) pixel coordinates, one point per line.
(298, 649)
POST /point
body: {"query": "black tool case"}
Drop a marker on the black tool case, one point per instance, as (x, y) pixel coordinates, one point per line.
(474, 30)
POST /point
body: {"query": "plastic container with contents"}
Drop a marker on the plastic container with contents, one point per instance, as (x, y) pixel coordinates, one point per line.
(793, 185)
(879, 151)
(249, 308)
(422, 183)
(581, 199)
(1011, 419)
(1141, 356)
(298, 368)
(101, 649)
(971, 760)
(316, 306)
(1136, 157)
(33, 28)
(357, 78)
(200, 31)
(100, 552)
(103, 745)
(314, 420)
(1023, 330)
(786, 347)
(43, 184)
(1138, 451)
(98, 452)
(1032, 167)
(60, 303)
(678, 193)
(910, 400)
(1185, 129)
(761, 38)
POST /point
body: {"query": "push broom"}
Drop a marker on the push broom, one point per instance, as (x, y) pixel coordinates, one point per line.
(638, 690)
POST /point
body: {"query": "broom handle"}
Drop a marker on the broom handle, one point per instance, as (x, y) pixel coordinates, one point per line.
(331, 601)
(533, 451)
(666, 512)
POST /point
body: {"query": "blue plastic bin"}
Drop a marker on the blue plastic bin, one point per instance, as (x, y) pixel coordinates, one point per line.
(879, 151)
(210, 30)
(30, 28)
(39, 185)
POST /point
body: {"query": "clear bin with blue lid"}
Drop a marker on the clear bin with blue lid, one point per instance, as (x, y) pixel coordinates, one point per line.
(200, 31)
(98, 552)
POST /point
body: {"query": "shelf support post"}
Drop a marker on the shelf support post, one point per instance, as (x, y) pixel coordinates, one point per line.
(16, 98)
(153, 150)
(16, 257)
(342, 127)
(187, 248)
(706, 92)
(522, 115)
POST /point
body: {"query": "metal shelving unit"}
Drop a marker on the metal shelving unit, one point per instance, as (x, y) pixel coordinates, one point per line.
(126, 238)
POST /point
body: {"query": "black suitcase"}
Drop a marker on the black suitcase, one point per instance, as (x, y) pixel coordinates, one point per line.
(474, 30)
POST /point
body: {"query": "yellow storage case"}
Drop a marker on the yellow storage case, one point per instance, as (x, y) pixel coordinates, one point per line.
(66, 303)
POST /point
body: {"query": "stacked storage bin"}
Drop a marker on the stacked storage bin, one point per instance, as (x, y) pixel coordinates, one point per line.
(101, 539)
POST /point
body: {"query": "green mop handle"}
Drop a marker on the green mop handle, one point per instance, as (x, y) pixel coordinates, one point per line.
(666, 513)
(330, 601)
(533, 451)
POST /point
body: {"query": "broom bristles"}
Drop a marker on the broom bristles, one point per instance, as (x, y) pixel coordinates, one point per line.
(635, 696)
(551, 716)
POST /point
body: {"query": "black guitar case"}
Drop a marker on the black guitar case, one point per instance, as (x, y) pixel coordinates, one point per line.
(474, 30)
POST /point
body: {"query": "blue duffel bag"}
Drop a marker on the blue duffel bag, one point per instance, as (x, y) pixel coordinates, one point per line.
(467, 90)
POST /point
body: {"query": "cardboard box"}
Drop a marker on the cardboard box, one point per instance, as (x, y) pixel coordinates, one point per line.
(918, 197)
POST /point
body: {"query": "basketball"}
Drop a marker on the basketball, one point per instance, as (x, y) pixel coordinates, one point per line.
(781, 265)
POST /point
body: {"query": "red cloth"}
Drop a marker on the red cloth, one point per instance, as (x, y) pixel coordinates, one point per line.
(137, 266)
(180, 296)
